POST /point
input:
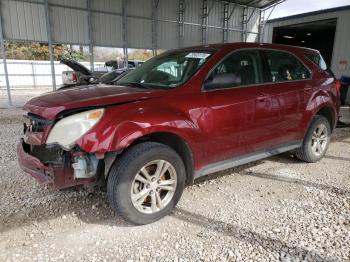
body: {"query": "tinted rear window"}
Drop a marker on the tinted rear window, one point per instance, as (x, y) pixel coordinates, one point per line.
(284, 66)
(318, 60)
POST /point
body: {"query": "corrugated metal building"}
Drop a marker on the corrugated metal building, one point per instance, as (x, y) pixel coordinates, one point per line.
(144, 24)
(299, 27)
(71, 21)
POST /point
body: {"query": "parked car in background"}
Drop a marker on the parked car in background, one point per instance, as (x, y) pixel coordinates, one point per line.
(111, 77)
(182, 115)
(79, 75)
(120, 63)
(82, 75)
(134, 63)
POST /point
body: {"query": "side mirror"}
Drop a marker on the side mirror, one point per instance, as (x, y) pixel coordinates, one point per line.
(222, 81)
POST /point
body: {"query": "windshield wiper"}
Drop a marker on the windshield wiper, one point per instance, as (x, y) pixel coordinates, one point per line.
(133, 84)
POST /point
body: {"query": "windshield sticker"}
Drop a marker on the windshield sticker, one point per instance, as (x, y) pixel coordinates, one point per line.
(198, 55)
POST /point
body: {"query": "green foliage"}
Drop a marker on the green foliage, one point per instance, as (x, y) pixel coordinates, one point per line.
(39, 51)
(140, 54)
(75, 55)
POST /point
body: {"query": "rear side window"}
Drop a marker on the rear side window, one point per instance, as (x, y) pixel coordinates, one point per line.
(318, 60)
(283, 67)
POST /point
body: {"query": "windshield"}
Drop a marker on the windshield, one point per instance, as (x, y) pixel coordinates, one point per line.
(167, 70)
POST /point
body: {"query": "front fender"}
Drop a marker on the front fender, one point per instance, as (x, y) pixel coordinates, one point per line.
(118, 129)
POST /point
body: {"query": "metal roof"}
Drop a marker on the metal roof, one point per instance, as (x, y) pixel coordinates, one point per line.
(318, 12)
(261, 4)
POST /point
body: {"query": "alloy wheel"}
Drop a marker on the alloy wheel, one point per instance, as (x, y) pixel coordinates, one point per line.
(153, 186)
(319, 139)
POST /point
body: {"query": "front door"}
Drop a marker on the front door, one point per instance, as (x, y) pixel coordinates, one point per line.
(229, 94)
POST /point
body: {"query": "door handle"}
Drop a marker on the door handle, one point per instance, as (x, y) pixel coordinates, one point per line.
(307, 89)
(262, 97)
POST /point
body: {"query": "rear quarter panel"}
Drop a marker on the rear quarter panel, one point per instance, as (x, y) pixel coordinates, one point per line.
(324, 95)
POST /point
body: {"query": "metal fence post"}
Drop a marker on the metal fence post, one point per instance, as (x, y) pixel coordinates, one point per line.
(154, 26)
(204, 23)
(245, 11)
(225, 23)
(91, 46)
(181, 14)
(3, 52)
(227, 16)
(49, 39)
(125, 36)
(263, 20)
(33, 74)
(261, 26)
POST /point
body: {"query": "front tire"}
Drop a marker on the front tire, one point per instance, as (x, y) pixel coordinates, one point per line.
(146, 182)
(316, 141)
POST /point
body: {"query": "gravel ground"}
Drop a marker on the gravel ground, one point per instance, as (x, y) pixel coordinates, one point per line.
(20, 96)
(278, 209)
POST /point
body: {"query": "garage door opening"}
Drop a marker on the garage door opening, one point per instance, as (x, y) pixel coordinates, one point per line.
(317, 35)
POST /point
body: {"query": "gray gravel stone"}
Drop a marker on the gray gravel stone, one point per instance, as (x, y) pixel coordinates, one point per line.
(278, 209)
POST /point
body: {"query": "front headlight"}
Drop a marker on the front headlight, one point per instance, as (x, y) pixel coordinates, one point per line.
(71, 128)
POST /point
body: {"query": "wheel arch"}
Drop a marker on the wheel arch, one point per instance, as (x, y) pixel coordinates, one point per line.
(172, 140)
(175, 142)
(326, 110)
(329, 113)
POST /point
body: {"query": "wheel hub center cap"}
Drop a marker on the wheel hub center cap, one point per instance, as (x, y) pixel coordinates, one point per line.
(153, 185)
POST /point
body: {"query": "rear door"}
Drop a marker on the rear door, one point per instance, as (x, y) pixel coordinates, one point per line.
(282, 99)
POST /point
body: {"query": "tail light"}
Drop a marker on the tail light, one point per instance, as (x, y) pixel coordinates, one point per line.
(337, 86)
(75, 78)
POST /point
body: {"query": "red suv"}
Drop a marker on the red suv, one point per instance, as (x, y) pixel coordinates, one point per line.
(182, 115)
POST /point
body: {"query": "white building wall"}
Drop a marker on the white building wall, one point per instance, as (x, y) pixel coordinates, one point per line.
(35, 74)
(341, 48)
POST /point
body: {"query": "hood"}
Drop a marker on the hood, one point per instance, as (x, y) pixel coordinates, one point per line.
(77, 67)
(49, 105)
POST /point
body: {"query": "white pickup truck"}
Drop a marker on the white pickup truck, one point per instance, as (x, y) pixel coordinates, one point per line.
(80, 74)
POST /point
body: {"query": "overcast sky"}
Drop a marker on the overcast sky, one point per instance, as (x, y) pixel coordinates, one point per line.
(293, 7)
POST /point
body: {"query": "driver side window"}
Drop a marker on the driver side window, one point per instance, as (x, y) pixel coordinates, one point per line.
(238, 69)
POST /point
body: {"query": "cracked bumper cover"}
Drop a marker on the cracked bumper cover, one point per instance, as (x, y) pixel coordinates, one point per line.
(59, 176)
(32, 166)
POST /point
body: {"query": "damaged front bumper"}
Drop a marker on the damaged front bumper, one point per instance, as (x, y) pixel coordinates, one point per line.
(59, 175)
(32, 165)
(51, 164)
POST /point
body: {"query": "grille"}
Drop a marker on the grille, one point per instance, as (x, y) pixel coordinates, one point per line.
(48, 154)
(34, 123)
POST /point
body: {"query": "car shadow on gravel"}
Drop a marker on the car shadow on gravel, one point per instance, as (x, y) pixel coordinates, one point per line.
(85, 205)
(246, 235)
(337, 158)
(341, 134)
(301, 182)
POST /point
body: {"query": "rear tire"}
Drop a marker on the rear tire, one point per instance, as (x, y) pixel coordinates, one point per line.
(316, 140)
(146, 182)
